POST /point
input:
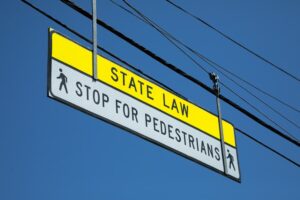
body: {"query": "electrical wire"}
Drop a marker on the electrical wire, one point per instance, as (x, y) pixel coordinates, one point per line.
(267, 147)
(257, 110)
(102, 49)
(169, 37)
(87, 40)
(250, 84)
(236, 42)
(147, 20)
(179, 71)
(210, 62)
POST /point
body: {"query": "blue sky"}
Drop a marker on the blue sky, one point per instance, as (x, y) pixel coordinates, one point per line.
(51, 151)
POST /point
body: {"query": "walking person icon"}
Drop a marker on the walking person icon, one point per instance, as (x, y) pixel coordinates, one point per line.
(231, 159)
(63, 82)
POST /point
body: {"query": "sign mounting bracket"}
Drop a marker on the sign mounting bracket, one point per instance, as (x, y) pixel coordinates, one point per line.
(95, 71)
(215, 79)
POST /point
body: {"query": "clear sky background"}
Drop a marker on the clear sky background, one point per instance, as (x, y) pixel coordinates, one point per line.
(51, 151)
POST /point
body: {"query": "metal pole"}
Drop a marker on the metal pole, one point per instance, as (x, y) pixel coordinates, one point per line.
(94, 5)
(216, 88)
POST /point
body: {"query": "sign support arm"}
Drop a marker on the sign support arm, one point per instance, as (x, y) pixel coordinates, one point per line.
(94, 5)
(216, 88)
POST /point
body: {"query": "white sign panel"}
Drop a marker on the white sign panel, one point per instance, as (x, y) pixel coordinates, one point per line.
(100, 100)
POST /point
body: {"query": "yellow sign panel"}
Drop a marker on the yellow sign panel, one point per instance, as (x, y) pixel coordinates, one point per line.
(140, 88)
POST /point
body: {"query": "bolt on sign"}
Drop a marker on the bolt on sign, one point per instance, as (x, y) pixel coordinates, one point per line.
(139, 106)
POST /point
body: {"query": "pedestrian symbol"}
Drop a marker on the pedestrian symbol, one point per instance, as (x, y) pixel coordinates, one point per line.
(63, 82)
(231, 159)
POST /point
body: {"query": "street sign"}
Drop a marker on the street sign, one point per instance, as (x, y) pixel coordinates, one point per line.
(131, 102)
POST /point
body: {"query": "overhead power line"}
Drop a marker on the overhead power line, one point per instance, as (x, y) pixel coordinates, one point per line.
(210, 62)
(180, 72)
(267, 147)
(262, 113)
(251, 84)
(102, 49)
(170, 38)
(236, 42)
(89, 41)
